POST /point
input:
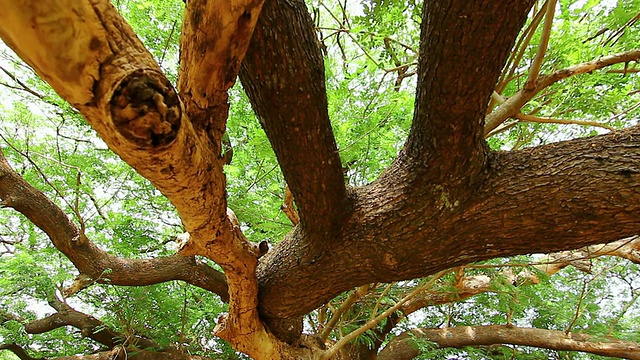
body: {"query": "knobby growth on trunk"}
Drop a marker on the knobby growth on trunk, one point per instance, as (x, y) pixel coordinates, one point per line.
(444, 202)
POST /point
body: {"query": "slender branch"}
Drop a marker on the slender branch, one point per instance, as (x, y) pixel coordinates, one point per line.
(538, 119)
(375, 321)
(87, 257)
(22, 87)
(346, 305)
(469, 286)
(18, 351)
(514, 104)
(534, 69)
(513, 63)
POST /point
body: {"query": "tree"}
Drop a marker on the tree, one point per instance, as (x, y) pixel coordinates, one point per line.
(446, 200)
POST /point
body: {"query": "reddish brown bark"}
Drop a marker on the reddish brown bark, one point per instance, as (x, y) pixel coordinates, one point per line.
(283, 75)
(444, 202)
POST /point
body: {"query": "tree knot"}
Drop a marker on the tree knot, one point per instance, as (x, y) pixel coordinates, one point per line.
(146, 110)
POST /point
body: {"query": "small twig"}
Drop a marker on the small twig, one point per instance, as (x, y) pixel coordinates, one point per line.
(166, 45)
(375, 321)
(613, 38)
(346, 304)
(288, 208)
(380, 297)
(538, 119)
(623, 312)
(366, 53)
(583, 296)
(22, 85)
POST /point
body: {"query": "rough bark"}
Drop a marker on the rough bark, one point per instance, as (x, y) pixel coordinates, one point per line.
(283, 75)
(463, 47)
(545, 199)
(404, 347)
(445, 201)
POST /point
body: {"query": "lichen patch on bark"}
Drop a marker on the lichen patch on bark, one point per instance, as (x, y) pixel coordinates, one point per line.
(145, 109)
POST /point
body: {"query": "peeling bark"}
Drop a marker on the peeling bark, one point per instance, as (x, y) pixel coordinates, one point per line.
(446, 200)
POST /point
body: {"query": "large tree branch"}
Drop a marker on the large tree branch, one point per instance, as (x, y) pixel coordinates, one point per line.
(511, 107)
(283, 75)
(463, 47)
(404, 347)
(91, 261)
(104, 70)
(546, 199)
(215, 36)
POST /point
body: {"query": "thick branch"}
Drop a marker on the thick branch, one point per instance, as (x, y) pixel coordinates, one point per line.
(283, 75)
(456, 75)
(215, 37)
(511, 107)
(105, 71)
(404, 346)
(546, 199)
(87, 257)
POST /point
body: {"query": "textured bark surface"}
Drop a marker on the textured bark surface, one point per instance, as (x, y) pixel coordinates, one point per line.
(445, 201)
(404, 347)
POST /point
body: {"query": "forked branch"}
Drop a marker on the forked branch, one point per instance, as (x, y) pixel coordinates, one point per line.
(512, 106)
(94, 264)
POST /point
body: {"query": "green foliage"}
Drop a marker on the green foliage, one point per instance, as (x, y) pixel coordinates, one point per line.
(370, 58)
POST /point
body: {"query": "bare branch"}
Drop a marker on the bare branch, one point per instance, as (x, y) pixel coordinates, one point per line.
(534, 69)
(89, 327)
(91, 261)
(344, 306)
(512, 106)
(403, 346)
(538, 119)
(18, 351)
(375, 321)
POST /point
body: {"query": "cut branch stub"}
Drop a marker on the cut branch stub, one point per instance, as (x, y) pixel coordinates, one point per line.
(145, 109)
